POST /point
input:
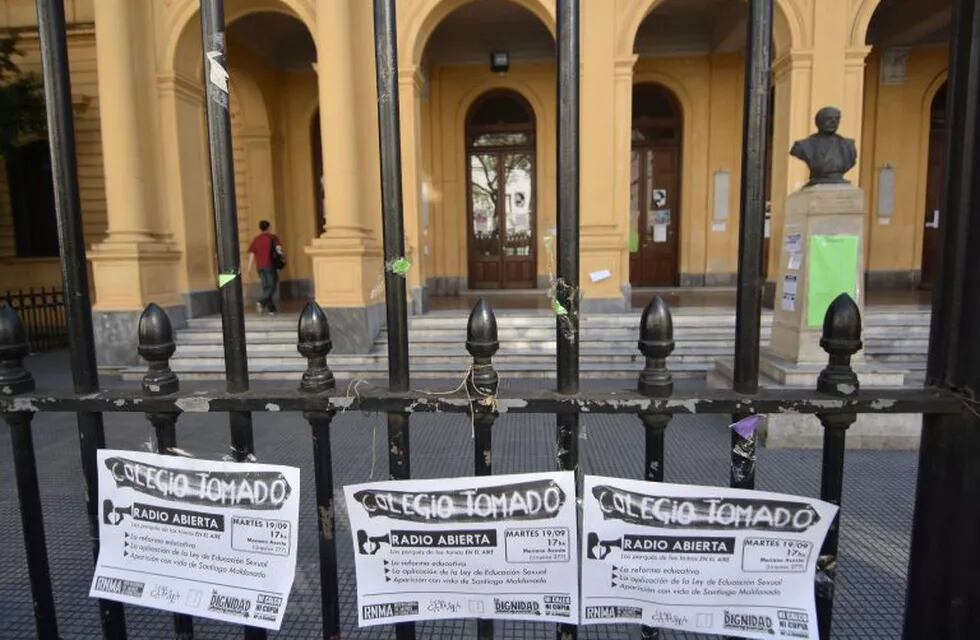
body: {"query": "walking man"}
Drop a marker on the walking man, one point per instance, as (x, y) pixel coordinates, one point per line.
(266, 254)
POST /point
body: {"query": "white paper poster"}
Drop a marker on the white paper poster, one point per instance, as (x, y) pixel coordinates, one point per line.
(717, 227)
(788, 302)
(709, 560)
(490, 547)
(794, 262)
(794, 242)
(789, 284)
(202, 537)
(659, 232)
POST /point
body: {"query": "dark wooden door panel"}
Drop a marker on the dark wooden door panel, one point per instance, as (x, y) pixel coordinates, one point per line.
(654, 216)
(930, 233)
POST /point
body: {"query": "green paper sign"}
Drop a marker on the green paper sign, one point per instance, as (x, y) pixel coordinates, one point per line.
(634, 241)
(559, 309)
(225, 278)
(833, 271)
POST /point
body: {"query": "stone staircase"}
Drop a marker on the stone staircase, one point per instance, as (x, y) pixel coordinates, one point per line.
(896, 336)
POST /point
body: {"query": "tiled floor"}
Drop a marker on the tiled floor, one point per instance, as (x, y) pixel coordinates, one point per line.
(879, 490)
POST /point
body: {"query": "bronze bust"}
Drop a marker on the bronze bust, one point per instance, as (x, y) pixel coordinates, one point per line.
(828, 155)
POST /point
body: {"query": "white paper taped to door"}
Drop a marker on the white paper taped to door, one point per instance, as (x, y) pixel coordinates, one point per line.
(492, 547)
(702, 559)
(201, 537)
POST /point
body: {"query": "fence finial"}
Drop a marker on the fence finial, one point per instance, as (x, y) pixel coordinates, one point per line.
(14, 378)
(156, 345)
(481, 342)
(314, 344)
(841, 340)
(656, 343)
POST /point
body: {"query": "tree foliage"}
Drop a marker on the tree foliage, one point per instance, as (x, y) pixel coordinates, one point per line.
(21, 98)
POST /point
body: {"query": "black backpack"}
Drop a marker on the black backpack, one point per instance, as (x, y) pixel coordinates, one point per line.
(278, 257)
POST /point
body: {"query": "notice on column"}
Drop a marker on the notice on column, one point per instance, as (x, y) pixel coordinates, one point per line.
(492, 547)
(202, 537)
(703, 559)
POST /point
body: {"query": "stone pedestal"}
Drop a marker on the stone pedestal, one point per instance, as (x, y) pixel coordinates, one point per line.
(834, 211)
(794, 358)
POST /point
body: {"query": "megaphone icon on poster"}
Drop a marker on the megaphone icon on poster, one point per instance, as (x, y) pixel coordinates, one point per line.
(599, 549)
(370, 545)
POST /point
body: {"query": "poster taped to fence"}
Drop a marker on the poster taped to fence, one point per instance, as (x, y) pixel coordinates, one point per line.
(491, 547)
(710, 560)
(201, 537)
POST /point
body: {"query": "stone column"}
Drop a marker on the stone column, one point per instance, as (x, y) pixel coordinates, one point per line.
(347, 245)
(605, 134)
(410, 87)
(136, 263)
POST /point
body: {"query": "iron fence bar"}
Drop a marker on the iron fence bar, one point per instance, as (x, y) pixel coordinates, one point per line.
(567, 293)
(841, 339)
(656, 343)
(74, 269)
(482, 386)
(155, 336)
(751, 244)
(956, 197)
(393, 230)
(32, 521)
(226, 231)
(15, 379)
(942, 599)
(313, 343)
(373, 399)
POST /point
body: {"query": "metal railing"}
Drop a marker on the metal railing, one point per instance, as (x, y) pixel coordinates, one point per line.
(942, 600)
(42, 312)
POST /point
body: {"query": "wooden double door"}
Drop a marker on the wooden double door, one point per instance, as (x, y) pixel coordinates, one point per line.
(501, 218)
(654, 215)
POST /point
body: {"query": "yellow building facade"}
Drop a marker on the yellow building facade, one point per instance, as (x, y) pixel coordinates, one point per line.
(661, 120)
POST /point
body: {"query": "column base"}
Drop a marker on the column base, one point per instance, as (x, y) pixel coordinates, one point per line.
(603, 252)
(116, 338)
(347, 271)
(127, 276)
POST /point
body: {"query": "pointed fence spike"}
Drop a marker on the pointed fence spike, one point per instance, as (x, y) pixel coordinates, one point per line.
(156, 345)
(313, 332)
(841, 340)
(656, 343)
(14, 378)
(482, 344)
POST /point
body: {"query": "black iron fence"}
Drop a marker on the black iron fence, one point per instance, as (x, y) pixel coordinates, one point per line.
(42, 312)
(942, 599)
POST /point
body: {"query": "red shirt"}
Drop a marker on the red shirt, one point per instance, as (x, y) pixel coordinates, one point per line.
(261, 248)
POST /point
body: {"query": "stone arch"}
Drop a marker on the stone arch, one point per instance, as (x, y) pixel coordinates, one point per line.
(179, 51)
(861, 21)
(788, 26)
(419, 27)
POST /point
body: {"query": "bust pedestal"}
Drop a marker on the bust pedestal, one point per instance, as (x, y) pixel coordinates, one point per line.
(821, 255)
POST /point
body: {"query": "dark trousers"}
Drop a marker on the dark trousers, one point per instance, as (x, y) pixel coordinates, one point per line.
(270, 280)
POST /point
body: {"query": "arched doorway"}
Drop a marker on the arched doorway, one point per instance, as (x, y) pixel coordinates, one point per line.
(937, 152)
(500, 148)
(655, 187)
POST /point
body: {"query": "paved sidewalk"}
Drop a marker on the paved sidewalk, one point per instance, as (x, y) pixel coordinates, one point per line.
(878, 501)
